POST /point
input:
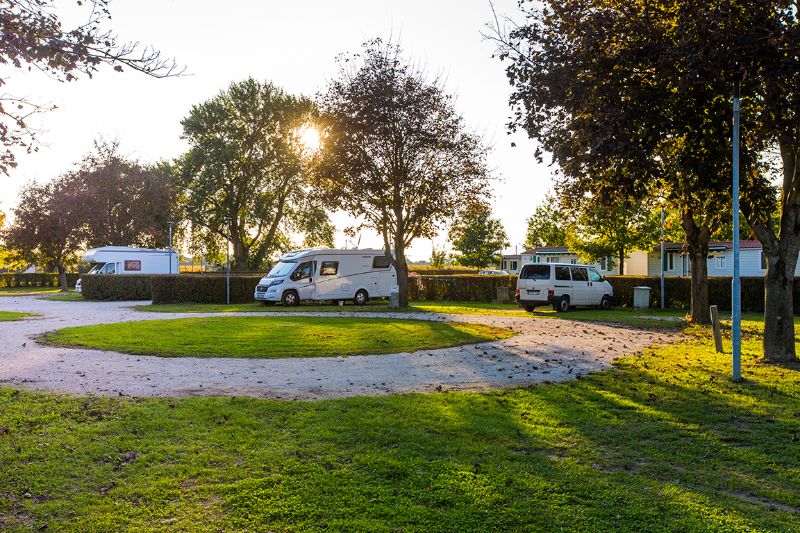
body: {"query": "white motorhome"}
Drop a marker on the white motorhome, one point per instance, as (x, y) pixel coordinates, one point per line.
(123, 260)
(326, 274)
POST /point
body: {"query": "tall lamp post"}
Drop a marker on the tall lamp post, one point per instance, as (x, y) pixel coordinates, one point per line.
(228, 260)
(662, 252)
(736, 292)
(169, 225)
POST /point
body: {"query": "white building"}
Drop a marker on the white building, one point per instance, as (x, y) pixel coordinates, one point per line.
(635, 264)
(752, 262)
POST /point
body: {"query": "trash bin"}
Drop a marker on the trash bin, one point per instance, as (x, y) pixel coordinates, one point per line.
(641, 297)
(394, 297)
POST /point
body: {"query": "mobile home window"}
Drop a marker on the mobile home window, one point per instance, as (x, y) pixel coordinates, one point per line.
(329, 268)
(719, 261)
(573, 261)
(669, 261)
(380, 261)
(553, 259)
(513, 265)
(133, 265)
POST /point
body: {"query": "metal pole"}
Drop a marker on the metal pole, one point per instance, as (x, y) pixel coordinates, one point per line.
(228, 262)
(736, 292)
(169, 224)
(662, 257)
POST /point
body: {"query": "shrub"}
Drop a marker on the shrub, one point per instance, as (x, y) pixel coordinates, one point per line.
(117, 287)
(459, 287)
(199, 288)
(36, 280)
(429, 270)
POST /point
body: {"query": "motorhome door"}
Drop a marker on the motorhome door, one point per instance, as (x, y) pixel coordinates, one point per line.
(303, 276)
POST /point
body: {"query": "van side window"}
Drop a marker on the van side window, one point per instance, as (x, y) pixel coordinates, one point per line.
(302, 271)
(380, 261)
(535, 272)
(579, 274)
(594, 275)
(562, 273)
(329, 268)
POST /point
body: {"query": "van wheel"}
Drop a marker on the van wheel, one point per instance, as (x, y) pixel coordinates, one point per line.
(290, 298)
(361, 297)
(562, 304)
(605, 303)
(529, 308)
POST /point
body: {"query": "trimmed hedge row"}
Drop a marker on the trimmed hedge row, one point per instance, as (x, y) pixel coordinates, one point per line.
(36, 280)
(207, 289)
(678, 292)
(118, 287)
(459, 287)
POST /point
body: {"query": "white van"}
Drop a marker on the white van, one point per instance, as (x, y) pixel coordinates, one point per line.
(124, 260)
(320, 274)
(562, 286)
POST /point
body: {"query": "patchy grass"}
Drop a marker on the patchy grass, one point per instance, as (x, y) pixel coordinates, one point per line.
(662, 441)
(70, 296)
(8, 316)
(270, 337)
(256, 307)
(27, 291)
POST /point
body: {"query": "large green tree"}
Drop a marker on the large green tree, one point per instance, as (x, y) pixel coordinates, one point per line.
(477, 237)
(599, 231)
(395, 151)
(247, 162)
(596, 82)
(548, 224)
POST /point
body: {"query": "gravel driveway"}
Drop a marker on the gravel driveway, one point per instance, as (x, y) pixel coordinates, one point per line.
(543, 350)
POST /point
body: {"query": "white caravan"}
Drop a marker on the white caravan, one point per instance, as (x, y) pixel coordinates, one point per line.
(326, 274)
(123, 260)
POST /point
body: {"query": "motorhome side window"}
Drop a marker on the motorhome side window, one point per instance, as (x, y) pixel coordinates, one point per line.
(303, 271)
(380, 261)
(535, 272)
(562, 273)
(329, 268)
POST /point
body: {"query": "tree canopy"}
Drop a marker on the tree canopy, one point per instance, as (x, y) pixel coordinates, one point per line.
(548, 225)
(246, 162)
(396, 153)
(34, 37)
(477, 237)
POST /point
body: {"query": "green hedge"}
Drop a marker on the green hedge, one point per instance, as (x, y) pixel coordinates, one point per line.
(678, 292)
(36, 280)
(459, 287)
(116, 287)
(203, 288)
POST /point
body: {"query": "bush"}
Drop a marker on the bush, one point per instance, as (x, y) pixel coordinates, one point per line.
(429, 270)
(199, 288)
(117, 287)
(36, 280)
(459, 287)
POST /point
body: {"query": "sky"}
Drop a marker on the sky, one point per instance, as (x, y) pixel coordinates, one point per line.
(293, 44)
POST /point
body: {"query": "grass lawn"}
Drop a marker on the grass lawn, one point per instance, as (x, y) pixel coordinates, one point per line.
(27, 291)
(70, 296)
(267, 337)
(661, 442)
(8, 316)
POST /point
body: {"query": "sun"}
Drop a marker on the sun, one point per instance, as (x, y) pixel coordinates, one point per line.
(309, 138)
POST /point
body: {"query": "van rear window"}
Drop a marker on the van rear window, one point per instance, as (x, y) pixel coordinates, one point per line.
(535, 272)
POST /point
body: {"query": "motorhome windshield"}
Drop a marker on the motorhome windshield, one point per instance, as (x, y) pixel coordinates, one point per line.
(96, 268)
(284, 268)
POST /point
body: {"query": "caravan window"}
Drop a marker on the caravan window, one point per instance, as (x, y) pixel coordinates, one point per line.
(329, 268)
(380, 261)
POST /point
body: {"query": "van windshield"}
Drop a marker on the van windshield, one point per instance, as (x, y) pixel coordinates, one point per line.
(535, 272)
(283, 268)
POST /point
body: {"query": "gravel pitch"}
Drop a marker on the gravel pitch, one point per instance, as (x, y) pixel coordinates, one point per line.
(543, 350)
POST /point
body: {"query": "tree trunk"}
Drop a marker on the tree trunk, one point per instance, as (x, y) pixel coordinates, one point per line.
(697, 238)
(779, 343)
(62, 278)
(621, 262)
(401, 267)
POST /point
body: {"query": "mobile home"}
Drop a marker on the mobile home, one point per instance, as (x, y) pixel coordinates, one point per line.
(124, 260)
